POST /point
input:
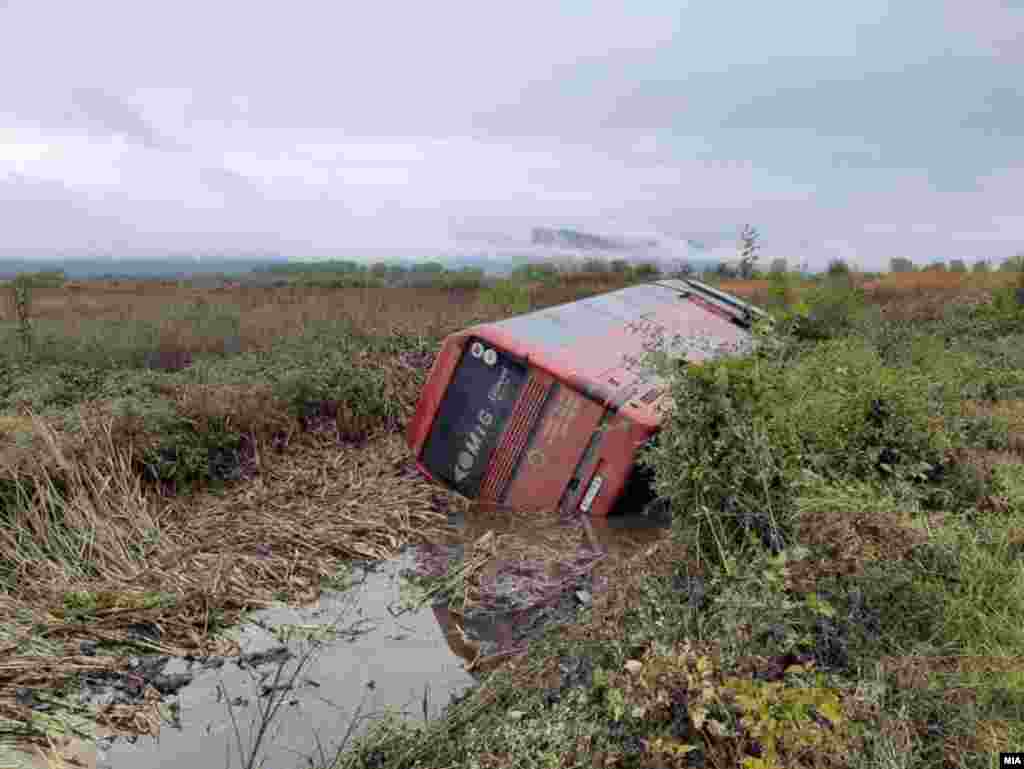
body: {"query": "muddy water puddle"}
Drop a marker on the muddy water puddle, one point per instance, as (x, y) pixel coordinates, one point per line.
(359, 652)
(366, 659)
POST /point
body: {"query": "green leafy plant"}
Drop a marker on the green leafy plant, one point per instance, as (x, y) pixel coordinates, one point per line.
(508, 295)
(830, 309)
(744, 433)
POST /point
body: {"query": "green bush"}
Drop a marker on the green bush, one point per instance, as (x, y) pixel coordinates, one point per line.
(53, 387)
(831, 309)
(861, 417)
(1006, 303)
(193, 454)
(717, 460)
(510, 296)
(468, 278)
(328, 364)
(542, 272)
(745, 433)
(646, 271)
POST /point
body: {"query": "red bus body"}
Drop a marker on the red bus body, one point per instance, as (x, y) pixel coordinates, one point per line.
(547, 410)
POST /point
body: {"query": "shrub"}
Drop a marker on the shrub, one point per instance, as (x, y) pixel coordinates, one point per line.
(191, 454)
(782, 294)
(745, 433)
(510, 296)
(537, 272)
(1007, 303)
(331, 374)
(859, 418)
(830, 309)
(838, 267)
(468, 278)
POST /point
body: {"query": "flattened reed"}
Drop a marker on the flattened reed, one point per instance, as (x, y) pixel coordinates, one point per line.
(189, 567)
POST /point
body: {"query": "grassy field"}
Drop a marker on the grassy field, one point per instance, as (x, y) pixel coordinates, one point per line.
(843, 587)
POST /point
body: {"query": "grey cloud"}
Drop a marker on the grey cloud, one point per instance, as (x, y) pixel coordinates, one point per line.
(226, 181)
(785, 115)
(108, 114)
(919, 101)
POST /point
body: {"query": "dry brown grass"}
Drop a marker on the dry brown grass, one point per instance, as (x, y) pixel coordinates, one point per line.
(211, 557)
(744, 288)
(902, 296)
(926, 295)
(269, 314)
(935, 281)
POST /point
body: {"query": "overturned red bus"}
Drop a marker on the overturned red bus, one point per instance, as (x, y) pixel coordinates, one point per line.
(547, 410)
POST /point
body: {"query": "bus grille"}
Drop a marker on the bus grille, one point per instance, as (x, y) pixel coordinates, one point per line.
(513, 441)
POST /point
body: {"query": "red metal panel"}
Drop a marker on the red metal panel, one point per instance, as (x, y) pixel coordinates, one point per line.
(615, 461)
(568, 421)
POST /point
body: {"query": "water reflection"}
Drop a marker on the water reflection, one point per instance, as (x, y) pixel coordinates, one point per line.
(577, 556)
(413, 660)
(401, 661)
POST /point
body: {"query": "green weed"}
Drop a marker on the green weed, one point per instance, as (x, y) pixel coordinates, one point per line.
(509, 296)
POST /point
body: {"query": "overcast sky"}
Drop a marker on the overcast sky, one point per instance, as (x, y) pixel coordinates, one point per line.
(857, 130)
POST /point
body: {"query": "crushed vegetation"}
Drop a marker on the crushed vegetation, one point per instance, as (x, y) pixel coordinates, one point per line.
(843, 585)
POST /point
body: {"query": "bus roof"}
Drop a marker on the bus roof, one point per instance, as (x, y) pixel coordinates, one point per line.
(598, 337)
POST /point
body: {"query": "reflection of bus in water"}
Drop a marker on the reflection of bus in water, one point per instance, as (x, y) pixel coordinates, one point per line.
(547, 410)
(617, 538)
(452, 625)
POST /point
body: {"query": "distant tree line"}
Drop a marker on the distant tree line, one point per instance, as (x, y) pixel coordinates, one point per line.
(1012, 264)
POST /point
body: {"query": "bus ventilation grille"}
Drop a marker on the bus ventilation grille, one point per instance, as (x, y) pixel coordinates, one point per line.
(513, 442)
